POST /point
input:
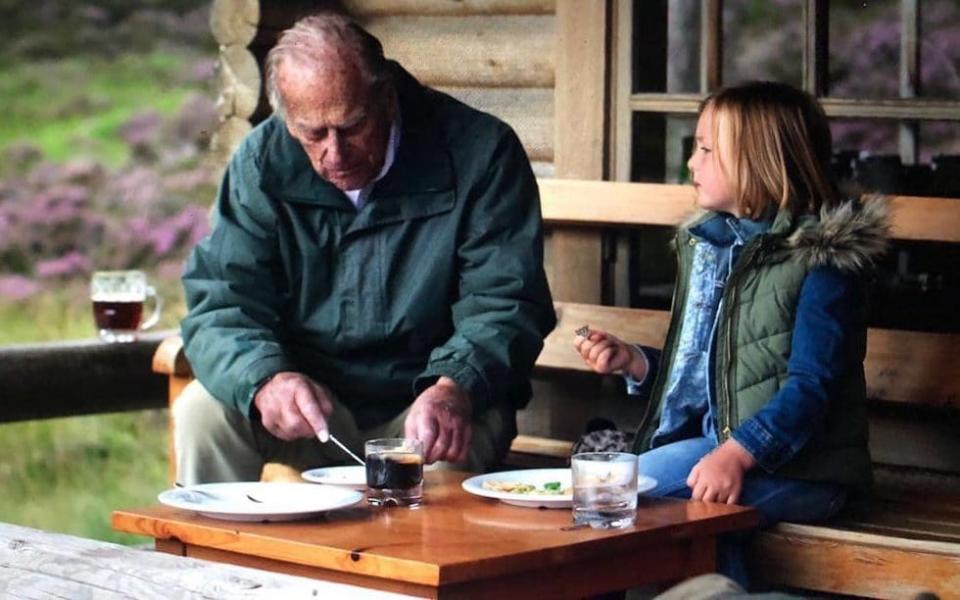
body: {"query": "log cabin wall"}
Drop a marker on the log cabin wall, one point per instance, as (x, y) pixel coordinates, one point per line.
(525, 61)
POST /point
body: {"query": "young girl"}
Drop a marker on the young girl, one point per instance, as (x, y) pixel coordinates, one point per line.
(758, 395)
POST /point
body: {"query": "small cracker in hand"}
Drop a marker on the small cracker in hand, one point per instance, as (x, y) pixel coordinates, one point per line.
(583, 331)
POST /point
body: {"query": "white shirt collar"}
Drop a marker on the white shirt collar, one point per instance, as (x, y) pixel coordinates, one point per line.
(359, 196)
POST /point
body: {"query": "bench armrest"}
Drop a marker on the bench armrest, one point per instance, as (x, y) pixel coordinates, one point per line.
(169, 359)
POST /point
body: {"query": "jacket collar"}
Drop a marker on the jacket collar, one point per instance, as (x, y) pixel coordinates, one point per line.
(420, 164)
(724, 230)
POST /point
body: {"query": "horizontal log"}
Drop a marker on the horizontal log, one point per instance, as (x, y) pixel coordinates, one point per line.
(38, 564)
(239, 83)
(79, 378)
(528, 110)
(460, 8)
(477, 51)
(240, 22)
(225, 140)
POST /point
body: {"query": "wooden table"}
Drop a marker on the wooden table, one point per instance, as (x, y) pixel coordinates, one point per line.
(458, 545)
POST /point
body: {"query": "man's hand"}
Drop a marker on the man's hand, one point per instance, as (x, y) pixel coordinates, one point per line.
(607, 354)
(294, 406)
(718, 477)
(440, 419)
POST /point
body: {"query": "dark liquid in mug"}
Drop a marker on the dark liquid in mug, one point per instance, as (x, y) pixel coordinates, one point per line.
(393, 471)
(117, 315)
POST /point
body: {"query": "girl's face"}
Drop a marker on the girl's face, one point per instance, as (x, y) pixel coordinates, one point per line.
(709, 179)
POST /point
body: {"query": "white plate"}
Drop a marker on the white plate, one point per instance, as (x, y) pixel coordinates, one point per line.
(536, 477)
(278, 501)
(351, 476)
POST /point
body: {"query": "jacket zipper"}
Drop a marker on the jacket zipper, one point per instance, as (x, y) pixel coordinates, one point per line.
(726, 407)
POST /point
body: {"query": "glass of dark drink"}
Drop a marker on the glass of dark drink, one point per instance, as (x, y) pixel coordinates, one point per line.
(394, 472)
(118, 298)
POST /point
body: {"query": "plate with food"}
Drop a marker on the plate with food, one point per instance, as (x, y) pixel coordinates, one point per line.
(534, 488)
(259, 501)
(350, 476)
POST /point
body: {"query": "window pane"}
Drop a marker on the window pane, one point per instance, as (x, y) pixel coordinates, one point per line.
(865, 49)
(763, 40)
(922, 276)
(940, 153)
(869, 136)
(666, 51)
(661, 147)
(683, 46)
(866, 153)
(940, 49)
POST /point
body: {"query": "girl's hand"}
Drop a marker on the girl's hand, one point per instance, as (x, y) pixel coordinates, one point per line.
(606, 354)
(718, 477)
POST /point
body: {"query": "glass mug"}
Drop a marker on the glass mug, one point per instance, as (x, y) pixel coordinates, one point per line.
(394, 472)
(118, 298)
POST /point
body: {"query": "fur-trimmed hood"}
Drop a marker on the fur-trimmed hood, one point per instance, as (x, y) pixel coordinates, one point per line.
(850, 237)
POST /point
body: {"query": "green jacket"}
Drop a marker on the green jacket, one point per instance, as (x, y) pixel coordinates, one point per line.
(755, 327)
(439, 273)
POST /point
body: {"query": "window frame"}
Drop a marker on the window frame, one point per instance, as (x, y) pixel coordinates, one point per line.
(908, 110)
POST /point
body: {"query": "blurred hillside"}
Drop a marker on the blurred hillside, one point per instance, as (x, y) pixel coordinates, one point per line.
(52, 29)
(108, 111)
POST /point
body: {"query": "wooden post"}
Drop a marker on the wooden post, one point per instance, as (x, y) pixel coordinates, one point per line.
(580, 100)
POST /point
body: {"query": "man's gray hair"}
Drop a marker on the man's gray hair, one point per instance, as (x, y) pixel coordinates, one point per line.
(310, 41)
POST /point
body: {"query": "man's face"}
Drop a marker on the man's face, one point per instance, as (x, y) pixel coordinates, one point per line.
(341, 126)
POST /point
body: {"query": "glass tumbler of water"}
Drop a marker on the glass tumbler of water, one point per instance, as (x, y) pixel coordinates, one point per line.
(604, 489)
(118, 298)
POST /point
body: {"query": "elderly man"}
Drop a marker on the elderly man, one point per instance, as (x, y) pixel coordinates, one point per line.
(374, 270)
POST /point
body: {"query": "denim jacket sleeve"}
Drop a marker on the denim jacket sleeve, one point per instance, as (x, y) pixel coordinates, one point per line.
(642, 387)
(829, 310)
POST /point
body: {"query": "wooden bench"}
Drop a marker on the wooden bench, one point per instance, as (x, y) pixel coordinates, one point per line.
(905, 541)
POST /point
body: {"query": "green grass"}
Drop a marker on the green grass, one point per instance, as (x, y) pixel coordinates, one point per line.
(75, 105)
(66, 475)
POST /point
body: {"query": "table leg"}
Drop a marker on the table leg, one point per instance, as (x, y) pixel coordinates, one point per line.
(170, 546)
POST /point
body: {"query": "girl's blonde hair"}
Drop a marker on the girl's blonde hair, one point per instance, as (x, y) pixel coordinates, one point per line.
(777, 148)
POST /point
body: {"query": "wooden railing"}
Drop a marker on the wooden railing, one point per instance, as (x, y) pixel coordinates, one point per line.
(61, 379)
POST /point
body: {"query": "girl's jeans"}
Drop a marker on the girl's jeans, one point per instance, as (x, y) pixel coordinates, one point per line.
(777, 499)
